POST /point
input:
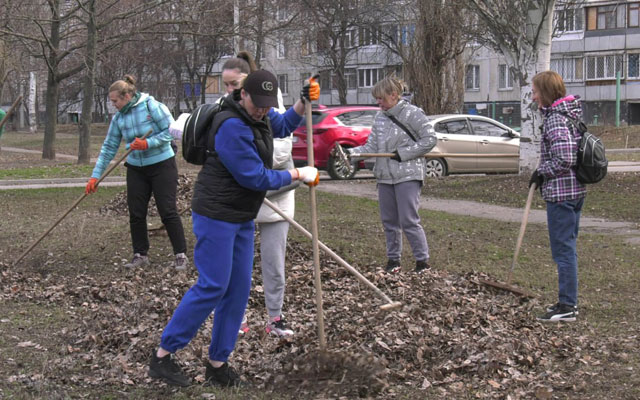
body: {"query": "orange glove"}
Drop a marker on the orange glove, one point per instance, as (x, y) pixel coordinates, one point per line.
(311, 90)
(139, 144)
(92, 186)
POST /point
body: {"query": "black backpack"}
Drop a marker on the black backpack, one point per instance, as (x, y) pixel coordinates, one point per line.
(199, 132)
(592, 160)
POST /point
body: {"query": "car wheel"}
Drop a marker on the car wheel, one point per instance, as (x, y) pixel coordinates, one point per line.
(435, 168)
(338, 170)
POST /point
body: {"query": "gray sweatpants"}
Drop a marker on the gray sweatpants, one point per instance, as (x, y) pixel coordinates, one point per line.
(399, 213)
(273, 246)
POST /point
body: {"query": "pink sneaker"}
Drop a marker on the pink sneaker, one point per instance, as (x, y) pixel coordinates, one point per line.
(244, 327)
(278, 326)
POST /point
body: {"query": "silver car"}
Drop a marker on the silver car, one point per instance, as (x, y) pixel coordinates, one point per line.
(472, 144)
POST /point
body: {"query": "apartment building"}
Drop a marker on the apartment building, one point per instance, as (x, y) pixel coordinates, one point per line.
(593, 44)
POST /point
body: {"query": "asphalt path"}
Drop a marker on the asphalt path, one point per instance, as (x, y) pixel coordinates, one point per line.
(359, 188)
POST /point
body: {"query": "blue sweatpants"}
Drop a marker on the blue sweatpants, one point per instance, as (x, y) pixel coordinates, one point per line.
(224, 257)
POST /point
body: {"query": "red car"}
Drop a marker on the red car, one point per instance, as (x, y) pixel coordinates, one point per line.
(347, 125)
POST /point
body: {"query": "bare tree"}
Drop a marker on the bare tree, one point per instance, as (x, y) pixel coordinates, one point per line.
(521, 31)
(334, 27)
(429, 37)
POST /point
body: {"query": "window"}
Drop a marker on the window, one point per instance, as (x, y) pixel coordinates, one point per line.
(350, 78)
(633, 63)
(569, 20)
(283, 83)
(505, 80)
(457, 127)
(369, 36)
(350, 38)
(407, 33)
(472, 77)
(307, 46)
(369, 77)
(192, 91)
(357, 118)
(282, 50)
(571, 69)
(484, 128)
(325, 81)
(605, 17)
(213, 84)
(281, 13)
(633, 15)
(603, 67)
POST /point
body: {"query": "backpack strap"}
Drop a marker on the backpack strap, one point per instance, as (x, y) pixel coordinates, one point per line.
(402, 126)
(218, 119)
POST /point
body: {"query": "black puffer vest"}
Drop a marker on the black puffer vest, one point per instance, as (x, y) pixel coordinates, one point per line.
(216, 193)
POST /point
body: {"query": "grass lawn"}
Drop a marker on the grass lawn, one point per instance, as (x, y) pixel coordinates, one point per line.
(67, 276)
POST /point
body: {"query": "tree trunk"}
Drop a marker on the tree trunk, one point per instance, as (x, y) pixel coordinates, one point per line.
(531, 119)
(51, 116)
(84, 145)
(31, 103)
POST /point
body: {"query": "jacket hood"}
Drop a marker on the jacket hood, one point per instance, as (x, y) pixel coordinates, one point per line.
(568, 104)
(143, 97)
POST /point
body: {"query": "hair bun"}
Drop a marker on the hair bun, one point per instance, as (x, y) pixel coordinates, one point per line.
(129, 79)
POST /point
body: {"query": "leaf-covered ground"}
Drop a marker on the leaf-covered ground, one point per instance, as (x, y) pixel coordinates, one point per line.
(453, 338)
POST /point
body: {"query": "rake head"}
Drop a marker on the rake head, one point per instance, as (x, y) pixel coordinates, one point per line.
(341, 158)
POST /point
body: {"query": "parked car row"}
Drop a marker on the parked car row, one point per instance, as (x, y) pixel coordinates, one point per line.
(468, 143)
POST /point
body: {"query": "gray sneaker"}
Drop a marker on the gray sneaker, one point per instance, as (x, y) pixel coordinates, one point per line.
(138, 261)
(182, 262)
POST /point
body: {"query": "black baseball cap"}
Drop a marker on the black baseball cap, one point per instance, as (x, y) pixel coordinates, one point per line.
(262, 85)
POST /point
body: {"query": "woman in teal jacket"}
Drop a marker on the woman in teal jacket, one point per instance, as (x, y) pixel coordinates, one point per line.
(151, 167)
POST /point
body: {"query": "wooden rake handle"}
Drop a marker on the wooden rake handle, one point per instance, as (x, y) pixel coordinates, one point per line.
(75, 203)
(390, 304)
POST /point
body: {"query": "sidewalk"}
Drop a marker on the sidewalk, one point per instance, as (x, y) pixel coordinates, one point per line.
(488, 211)
(359, 189)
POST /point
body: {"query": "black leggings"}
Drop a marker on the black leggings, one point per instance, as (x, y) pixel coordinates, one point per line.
(161, 179)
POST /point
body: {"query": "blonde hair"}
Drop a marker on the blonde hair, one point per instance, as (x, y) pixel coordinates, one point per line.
(124, 86)
(387, 86)
(550, 87)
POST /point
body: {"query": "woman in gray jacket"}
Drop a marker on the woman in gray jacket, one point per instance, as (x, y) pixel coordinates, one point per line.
(404, 130)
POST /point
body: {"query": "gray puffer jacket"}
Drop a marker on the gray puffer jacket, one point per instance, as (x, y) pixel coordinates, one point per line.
(387, 137)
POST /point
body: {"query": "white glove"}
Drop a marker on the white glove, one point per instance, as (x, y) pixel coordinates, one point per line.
(309, 175)
(177, 127)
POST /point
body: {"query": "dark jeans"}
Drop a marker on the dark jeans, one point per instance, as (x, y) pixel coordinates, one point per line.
(563, 220)
(161, 179)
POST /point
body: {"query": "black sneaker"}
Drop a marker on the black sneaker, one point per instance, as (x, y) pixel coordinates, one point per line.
(421, 265)
(224, 376)
(560, 312)
(555, 307)
(392, 265)
(168, 370)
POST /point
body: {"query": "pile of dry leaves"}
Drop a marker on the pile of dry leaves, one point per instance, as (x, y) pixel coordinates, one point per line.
(118, 205)
(452, 335)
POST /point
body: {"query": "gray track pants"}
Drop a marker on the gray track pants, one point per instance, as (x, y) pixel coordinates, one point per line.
(273, 246)
(399, 213)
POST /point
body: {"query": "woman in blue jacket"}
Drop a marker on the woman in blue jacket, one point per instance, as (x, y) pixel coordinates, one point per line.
(227, 195)
(151, 167)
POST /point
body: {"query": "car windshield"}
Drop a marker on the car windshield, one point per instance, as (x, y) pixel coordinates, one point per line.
(316, 118)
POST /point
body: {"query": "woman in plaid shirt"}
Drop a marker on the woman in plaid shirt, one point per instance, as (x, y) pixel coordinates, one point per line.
(559, 186)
